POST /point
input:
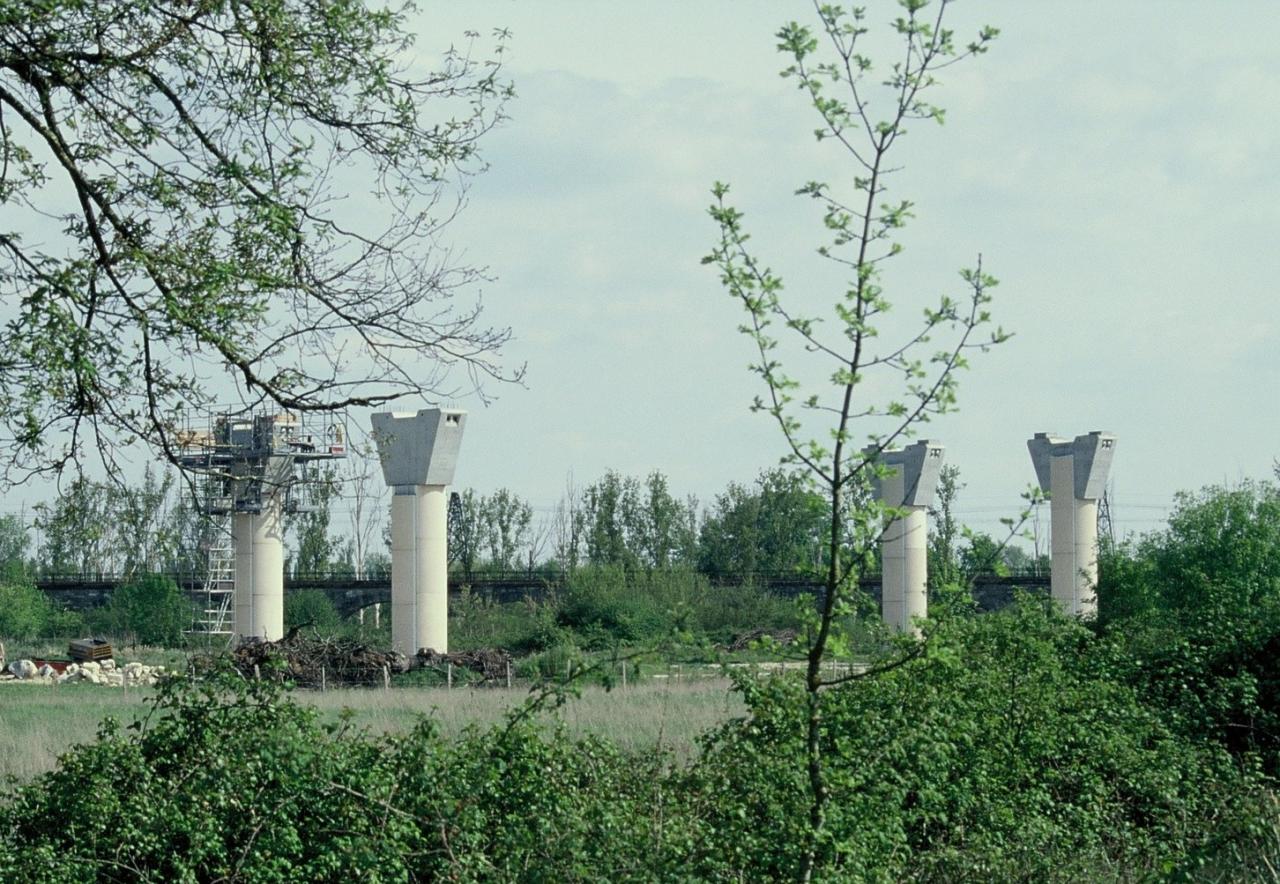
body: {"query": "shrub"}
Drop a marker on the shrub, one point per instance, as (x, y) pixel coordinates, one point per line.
(722, 613)
(1007, 751)
(230, 780)
(1193, 616)
(313, 609)
(1000, 755)
(479, 622)
(27, 613)
(605, 605)
(149, 610)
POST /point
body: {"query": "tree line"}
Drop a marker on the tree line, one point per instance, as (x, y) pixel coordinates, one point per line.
(774, 524)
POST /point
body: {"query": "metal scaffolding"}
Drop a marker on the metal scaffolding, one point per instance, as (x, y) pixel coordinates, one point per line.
(238, 460)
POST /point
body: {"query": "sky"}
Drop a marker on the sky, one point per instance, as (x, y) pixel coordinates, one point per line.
(1113, 164)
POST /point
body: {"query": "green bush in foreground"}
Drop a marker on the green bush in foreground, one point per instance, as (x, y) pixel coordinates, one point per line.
(1004, 753)
(997, 756)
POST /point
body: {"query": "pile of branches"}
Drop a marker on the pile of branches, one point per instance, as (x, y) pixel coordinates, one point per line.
(314, 662)
(491, 663)
(744, 641)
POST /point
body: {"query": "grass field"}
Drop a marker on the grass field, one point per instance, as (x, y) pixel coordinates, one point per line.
(39, 722)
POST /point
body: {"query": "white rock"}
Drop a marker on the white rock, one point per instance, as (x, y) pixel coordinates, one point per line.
(73, 669)
(91, 667)
(108, 665)
(46, 671)
(23, 668)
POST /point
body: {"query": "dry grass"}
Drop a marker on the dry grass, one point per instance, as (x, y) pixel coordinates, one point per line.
(40, 722)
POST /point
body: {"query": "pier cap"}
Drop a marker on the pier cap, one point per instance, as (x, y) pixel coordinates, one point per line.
(419, 448)
(1091, 456)
(921, 465)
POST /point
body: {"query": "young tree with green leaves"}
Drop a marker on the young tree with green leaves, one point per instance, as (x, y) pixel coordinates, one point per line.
(508, 520)
(316, 547)
(776, 526)
(14, 541)
(147, 538)
(837, 434)
(196, 160)
(77, 530)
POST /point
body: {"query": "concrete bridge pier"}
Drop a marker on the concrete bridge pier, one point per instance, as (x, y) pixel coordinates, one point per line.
(259, 572)
(1074, 474)
(419, 453)
(908, 490)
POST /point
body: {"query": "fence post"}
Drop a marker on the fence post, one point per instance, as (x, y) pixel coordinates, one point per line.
(508, 675)
(257, 675)
(448, 674)
(386, 677)
(624, 673)
(323, 680)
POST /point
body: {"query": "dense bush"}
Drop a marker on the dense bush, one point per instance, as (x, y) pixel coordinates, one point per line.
(27, 613)
(605, 606)
(1001, 755)
(1004, 753)
(1018, 745)
(232, 782)
(313, 609)
(520, 627)
(1194, 615)
(149, 610)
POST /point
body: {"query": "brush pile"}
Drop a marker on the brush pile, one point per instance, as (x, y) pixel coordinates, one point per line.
(492, 664)
(747, 639)
(315, 662)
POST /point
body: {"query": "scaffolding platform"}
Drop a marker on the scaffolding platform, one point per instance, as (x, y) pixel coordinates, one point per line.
(238, 461)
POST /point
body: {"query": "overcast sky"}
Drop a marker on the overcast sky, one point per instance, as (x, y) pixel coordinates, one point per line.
(1114, 164)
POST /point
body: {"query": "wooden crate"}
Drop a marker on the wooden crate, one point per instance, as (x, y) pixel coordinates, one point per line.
(85, 649)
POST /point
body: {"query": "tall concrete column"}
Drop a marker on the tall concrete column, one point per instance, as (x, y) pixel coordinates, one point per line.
(259, 575)
(419, 453)
(1074, 474)
(904, 588)
(419, 568)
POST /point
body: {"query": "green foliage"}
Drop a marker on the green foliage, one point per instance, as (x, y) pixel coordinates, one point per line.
(998, 754)
(208, 230)
(77, 528)
(1005, 751)
(313, 609)
(492, 531)
(1194, 613)
(112, 527)
(14, 541)
(1222, 549)
(27, 613)
(149, 609)
(231, 780)
(605, 607)
(479, 622)
(881, 391)
(632, 524)
(777, 526)
(315, 550)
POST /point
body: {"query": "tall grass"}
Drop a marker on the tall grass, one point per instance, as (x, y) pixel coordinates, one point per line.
(39, 722)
